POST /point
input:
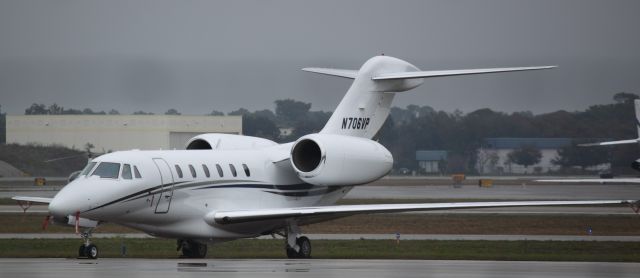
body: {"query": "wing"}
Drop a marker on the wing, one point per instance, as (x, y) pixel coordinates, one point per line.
(622, 180)
(243, 216)
(628, 141)
(32, 199)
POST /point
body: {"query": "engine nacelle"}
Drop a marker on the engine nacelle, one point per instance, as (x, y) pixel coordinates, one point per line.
(220, 141)
(329, 159)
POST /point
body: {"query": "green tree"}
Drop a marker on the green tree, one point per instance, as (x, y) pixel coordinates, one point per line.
(623, 97)
(36, 109)
(172, 112)
(582, 157)
(140, 112)
(114, 112)
(525, 156)
(290, 112)
(215, 113)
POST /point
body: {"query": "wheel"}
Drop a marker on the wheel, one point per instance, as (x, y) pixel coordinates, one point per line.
(91, 251)
(201, 250)
(192, 249)
(291, 253)
(305, 247)
(81, 251)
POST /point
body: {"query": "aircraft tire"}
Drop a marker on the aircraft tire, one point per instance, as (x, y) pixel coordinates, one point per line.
(81, 251)
(291, 253)
(305, 247)
(91, 251)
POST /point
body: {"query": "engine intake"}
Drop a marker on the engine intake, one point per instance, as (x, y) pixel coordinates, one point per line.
(329, 159)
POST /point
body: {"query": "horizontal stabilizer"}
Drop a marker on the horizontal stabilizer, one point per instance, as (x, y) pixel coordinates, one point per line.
(334, 72)
(426, 74)
(32, 199)
(629, 141)
(242, 216)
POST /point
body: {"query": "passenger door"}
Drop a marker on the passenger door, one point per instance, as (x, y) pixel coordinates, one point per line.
(166, 192)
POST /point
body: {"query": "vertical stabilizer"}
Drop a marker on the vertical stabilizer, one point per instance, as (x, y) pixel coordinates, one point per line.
(366, 105)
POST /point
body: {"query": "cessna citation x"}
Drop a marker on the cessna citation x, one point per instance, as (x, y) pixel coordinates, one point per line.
(225, 187)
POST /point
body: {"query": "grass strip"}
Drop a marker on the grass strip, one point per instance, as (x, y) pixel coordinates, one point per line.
(601, 225)
(343, 249)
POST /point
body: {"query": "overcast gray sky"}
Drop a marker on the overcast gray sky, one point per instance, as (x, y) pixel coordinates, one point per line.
(197, 56)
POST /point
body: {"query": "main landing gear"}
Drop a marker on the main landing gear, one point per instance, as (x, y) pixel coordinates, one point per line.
(192, 249)
(296, 246)
(88, 250)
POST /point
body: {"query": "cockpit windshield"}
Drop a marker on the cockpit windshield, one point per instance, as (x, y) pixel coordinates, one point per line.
(107, 170)
(88, 168)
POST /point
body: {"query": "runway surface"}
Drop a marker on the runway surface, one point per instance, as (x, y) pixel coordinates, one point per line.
(359, 237)
(73, 268)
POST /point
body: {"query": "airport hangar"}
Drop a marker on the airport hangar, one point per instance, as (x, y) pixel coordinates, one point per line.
(116, 132)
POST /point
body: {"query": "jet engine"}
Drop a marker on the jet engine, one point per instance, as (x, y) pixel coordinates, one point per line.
(219, 141)
(329, 159)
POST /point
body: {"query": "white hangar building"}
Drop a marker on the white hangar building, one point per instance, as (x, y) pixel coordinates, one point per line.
(116, 132)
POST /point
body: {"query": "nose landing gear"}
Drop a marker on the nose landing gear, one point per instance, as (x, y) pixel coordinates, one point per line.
(87, 250)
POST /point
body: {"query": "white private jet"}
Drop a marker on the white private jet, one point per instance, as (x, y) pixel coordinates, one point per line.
(635, 164)
(225, 187)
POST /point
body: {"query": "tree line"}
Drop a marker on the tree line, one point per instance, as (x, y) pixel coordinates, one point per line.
(424, 128)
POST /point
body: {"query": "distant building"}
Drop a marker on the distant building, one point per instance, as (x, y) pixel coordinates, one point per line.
(116, 132)
(492, 157)
(431, 161)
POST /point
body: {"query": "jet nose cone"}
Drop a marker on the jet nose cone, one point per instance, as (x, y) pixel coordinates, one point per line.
(60, 207)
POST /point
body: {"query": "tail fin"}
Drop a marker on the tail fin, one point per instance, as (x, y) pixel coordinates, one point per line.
(636, 104)
(366, 105)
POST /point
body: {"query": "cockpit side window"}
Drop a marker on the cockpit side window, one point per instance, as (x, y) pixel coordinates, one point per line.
(126, 172)
(137, 173)
(107, 170)
(179, 171)
(88, 168)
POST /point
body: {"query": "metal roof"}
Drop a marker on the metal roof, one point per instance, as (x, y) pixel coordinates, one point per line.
(435, 155)
(515, 143)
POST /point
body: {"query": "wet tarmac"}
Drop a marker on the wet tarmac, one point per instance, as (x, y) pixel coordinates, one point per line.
(74, 268)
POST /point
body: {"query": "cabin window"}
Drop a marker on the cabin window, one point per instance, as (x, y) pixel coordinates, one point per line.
(220, 173)
(179, 171)
(135, 171)
(233, 170)
(206, 170)
(88, 168)
(126, 172)
(246, 170)
(193, 170)
(107, 170)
